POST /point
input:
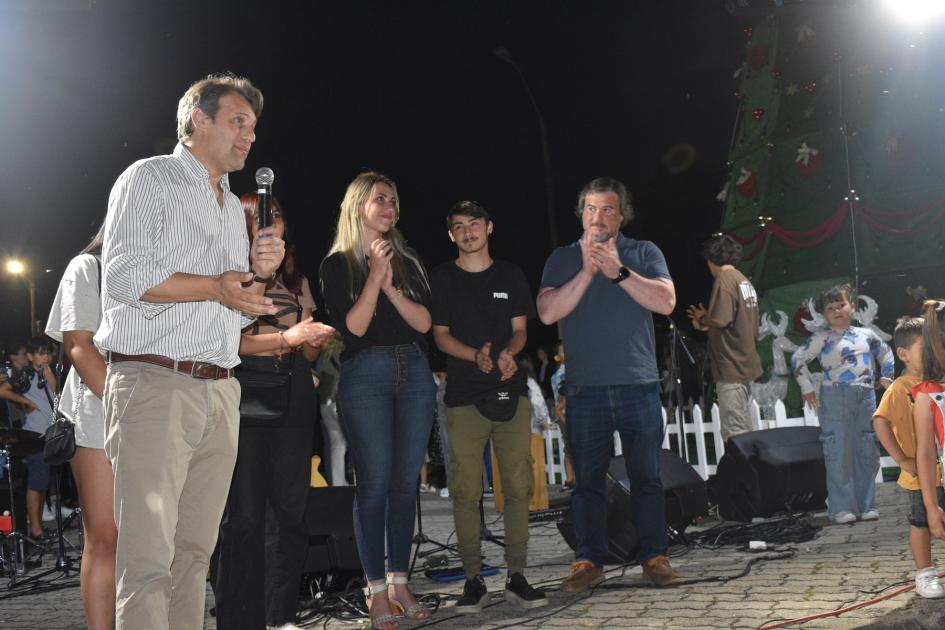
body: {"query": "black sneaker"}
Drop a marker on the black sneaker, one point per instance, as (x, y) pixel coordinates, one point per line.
(475, 596)
(520, 592)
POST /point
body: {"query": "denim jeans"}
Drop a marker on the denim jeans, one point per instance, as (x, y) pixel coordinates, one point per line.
(850, 452)
(386, 397)
(593, 414)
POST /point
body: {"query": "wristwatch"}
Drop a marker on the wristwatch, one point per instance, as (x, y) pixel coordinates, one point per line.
(622, 275)
(262, 280)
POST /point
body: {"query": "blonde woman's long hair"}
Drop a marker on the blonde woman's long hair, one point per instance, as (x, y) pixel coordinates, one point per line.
(348, 241)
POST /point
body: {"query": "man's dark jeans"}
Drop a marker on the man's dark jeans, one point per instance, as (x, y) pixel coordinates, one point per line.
(593, 414)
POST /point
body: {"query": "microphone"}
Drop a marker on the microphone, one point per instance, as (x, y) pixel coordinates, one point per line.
(264, 179)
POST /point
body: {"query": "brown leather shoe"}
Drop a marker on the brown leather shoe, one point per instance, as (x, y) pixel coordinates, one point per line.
(657, 569)
(584, 575)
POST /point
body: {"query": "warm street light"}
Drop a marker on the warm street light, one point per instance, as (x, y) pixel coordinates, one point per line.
(15, 267)
(18, 268)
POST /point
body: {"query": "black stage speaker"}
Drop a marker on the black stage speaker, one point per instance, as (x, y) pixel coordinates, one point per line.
(331, 544)
(685, 495)
(770, 471)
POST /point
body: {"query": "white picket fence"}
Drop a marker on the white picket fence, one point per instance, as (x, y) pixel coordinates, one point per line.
(706, 432)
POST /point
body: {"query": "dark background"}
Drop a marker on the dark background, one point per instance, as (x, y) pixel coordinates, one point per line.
(412, 89)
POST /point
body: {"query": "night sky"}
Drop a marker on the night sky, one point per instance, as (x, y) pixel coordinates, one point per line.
(411, 89)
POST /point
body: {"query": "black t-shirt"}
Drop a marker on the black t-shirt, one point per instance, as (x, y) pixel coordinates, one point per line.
(387, 328)
(479, 307)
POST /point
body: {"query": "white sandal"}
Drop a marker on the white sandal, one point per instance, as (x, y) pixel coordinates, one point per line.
(369, 592)
(415, 612)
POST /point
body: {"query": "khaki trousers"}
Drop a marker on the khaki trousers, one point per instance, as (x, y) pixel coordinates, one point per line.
(734, 414)
(171, 440)
(468, 433)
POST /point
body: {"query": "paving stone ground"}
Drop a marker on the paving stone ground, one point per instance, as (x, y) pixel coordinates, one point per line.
(845, 563)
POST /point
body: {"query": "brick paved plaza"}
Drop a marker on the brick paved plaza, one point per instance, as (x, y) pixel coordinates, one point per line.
(839, 566)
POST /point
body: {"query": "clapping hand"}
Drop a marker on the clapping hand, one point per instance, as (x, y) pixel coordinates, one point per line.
(605, 257)
(309, 331)
(484, 358)
(379, 263)
(507, 365)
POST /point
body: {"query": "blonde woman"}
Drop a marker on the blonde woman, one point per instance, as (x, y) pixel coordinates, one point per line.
(376, 293)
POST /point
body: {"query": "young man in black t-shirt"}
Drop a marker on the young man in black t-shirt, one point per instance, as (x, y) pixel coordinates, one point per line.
(480, 310)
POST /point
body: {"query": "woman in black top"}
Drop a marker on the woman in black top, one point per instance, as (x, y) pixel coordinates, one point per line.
(376, 293)
(257, 565)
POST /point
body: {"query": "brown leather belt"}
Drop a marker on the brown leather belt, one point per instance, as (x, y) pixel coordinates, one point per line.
(197, 369)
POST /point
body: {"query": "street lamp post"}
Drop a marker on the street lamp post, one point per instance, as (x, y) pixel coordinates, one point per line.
(501, 52)
(17, 268)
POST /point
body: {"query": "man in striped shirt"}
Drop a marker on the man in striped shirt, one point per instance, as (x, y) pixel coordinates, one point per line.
(176, 291)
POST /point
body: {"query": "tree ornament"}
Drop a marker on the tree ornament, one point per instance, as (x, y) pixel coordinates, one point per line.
(804, 33)
(746, 183)
(758, 56)
(808, 160)
(748, 31)
(758, 113)
(723, 194)
(897, 147)
(811, 87)
(792, 89)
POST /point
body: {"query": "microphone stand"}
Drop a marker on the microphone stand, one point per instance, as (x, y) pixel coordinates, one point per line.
(676, 338)
(422, 539)
(484, 532)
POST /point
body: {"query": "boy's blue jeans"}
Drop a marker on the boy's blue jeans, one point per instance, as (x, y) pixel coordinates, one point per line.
(386, 396)
(593, 414)
(850, 452)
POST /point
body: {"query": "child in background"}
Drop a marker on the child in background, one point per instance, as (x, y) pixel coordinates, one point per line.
(559, 374)
(929, 404)
(895, 429)
(847, 402)
(541, 421)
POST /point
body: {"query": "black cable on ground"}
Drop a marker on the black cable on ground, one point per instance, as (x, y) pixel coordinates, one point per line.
(349, 606)
(784, 530)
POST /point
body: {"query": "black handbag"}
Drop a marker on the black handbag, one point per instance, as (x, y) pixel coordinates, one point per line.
(266, 383)
(59, 445)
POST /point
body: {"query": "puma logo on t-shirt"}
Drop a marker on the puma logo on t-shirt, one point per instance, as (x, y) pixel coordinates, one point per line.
(500, 295)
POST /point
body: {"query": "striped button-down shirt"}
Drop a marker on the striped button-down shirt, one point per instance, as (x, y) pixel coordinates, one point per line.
(163, 218)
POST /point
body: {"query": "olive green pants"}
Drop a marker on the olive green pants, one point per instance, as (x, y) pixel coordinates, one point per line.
(469, 431)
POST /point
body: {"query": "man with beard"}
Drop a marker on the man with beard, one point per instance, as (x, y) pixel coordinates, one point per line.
(603, 289)
(480, 310)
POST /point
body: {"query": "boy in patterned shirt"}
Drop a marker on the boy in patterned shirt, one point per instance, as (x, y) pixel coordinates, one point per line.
(846, 403)
(896, 431)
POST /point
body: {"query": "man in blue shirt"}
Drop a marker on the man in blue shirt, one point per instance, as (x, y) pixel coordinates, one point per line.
(603, 289)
